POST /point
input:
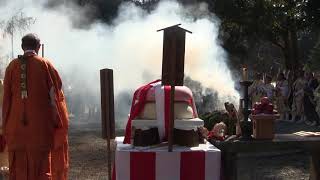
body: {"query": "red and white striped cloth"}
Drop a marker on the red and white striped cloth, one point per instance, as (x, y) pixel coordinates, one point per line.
(162, 99)
(197, 163)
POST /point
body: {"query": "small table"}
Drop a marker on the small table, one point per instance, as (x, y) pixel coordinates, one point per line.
(156, 163)
(232, 146)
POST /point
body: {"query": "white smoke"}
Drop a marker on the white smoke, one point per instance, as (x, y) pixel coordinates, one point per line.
(131, 46)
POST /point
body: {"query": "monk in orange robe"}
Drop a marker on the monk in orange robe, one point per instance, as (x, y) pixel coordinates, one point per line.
(32, 106)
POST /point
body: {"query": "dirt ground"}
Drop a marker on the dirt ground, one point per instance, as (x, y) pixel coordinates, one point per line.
(89, 157)
(88, 152)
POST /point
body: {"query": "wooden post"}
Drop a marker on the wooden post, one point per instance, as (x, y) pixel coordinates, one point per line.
(173, 67)
(42, 49)
(171, 121)
(107, 111)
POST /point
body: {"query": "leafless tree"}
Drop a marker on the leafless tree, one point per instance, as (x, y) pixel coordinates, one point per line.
(19, 22)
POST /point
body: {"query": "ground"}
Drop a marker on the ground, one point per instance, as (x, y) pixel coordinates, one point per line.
(88, 154)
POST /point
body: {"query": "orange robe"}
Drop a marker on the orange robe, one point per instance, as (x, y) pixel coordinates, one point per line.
(60, 151)
(30, 143)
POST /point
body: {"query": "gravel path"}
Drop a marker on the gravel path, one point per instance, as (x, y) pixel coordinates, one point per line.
(89, 158)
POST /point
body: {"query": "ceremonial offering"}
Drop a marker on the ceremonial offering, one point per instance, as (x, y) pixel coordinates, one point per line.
(263, 116)
(164, 138)
(149, 114)
(218, 132)
(145, 137)
(263, 107)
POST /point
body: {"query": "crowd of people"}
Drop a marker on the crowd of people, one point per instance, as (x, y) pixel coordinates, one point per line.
(296, 95)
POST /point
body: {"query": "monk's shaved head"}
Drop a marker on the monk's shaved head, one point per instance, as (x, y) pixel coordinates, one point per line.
(30, 42)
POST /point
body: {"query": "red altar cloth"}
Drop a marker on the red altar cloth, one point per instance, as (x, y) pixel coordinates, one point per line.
(156, 163)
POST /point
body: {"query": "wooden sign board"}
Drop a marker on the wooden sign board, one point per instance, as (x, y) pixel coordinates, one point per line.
(173, 55)
(107, 104)
(174, 38)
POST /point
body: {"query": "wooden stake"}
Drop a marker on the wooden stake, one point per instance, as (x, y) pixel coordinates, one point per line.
(107, 112)
(171, 120)
(42, 49)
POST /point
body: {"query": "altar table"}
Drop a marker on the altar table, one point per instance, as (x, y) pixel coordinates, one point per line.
(156, 163)
(233, 146)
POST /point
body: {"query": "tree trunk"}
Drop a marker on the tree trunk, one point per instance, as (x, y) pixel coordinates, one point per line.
(12, 54)
(290, 50)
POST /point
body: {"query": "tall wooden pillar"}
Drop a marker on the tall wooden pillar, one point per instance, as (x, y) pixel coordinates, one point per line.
(173, 66)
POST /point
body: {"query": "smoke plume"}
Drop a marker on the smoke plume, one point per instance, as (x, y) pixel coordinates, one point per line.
(130, 46)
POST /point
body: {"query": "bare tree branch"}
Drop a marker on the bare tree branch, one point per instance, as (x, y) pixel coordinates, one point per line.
(18, 22)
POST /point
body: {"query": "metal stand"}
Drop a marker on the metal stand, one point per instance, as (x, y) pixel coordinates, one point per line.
(246, 126)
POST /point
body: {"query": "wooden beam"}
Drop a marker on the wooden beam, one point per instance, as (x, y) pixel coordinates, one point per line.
(171, 121)
(107, 103)
(107, 111)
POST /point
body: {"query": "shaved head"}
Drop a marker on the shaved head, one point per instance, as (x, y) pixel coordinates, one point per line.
(30, 42)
